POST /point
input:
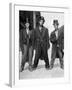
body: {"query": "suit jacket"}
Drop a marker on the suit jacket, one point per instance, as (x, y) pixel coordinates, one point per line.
(41, 38)
(27, 38)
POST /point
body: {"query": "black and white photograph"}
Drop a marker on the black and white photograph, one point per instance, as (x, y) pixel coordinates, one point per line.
(36, 44)
(41, 44)
(39, 36)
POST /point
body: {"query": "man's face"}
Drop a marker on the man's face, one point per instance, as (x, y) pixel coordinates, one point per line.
(27, 25)
(41, 22)
(55, 26)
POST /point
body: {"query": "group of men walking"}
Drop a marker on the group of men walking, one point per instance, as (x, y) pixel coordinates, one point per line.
(39, 40)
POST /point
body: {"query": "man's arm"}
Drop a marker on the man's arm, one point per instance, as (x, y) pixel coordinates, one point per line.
(53, 38)
(47, 38)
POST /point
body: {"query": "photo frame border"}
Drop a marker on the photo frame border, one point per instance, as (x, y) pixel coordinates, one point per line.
(14, 53)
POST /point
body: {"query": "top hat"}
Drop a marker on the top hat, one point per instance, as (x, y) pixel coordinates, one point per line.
(41, 18)
(55, 22)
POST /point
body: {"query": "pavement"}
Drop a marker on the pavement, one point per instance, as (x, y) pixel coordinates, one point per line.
(42, 72)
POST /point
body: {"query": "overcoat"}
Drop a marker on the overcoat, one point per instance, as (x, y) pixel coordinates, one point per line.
(57, 42)
(61, 37)
(41, 41)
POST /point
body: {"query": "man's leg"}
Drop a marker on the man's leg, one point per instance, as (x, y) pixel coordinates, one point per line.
(24, 58)
(30, 57)
(46, 62)
(53, 56)
(46, 59)
(36, 60)
(61, 59)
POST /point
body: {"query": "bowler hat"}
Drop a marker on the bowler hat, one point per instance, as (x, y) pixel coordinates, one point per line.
(55, 22)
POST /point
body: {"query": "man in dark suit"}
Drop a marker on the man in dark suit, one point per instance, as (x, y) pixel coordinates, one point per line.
(41, 44)
(55, 39)
(27, 47)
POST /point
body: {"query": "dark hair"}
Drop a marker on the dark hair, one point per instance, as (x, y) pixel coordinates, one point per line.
(41, 18)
